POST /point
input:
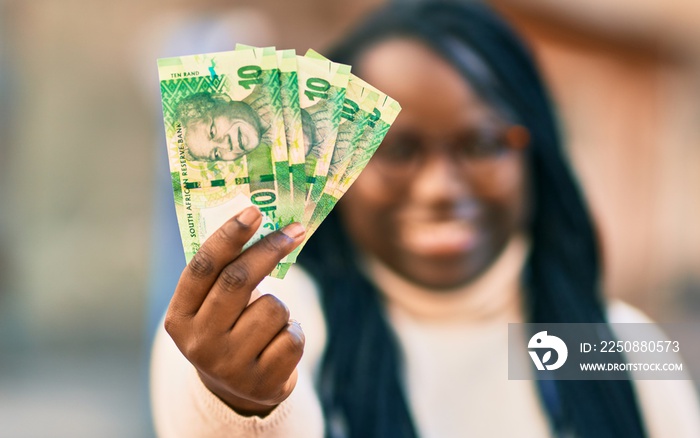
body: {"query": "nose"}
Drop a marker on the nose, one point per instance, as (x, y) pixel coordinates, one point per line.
(440, 180)
(224, 141)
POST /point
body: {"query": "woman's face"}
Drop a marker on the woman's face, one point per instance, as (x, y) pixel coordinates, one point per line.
(446, 190)
(224, 135)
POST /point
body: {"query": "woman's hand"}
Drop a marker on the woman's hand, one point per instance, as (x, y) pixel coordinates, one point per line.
(245, 354)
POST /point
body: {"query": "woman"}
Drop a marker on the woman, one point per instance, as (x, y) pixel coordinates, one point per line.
(465, 220)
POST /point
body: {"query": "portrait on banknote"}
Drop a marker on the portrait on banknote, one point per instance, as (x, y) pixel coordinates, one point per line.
(217, 128)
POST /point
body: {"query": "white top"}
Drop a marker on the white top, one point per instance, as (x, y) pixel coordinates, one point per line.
(455, 345)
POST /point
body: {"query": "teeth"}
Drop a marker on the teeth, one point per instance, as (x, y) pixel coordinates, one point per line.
(443, 237)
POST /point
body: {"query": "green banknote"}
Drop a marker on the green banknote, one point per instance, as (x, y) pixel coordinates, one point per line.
(276, 103)
(373, 113)
(373, 133)
(291, 112)
(367, 138)
(322, 86)
(383, 115)
(291, 109)
(358, 110)
(257, 126)
(359, 115)
(225, 138)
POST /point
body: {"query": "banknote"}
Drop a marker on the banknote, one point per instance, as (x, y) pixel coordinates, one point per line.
(381, 119)
(358, 110)
(363, 145)
(291, 110)
(225, 138)
(367, 141)
(378, 111)
(265, 127)
(322, 86)
(274, 93)
(354, 146)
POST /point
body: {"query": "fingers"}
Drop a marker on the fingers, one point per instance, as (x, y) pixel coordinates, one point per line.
(206, 265)
(259, 323)
(281, 356)
(232, 289)
(244, 354)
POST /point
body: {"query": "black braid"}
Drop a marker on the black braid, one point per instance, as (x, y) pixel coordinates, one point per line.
(360, 381)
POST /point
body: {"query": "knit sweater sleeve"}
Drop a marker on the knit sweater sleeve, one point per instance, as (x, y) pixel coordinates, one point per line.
(183, 407)
(670, 407)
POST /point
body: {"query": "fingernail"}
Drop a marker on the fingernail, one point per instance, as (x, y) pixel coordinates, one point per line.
(294, 231)
(248, 216)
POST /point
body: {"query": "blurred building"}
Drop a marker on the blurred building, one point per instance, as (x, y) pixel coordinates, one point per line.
(625, 76)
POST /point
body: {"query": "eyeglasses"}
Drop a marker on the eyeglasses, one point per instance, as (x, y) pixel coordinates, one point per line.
(476, 153)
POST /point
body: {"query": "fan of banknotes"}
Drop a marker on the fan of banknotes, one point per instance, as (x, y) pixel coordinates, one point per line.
(265, 127)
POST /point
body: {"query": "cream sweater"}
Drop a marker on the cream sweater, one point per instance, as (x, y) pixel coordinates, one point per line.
(455, 345)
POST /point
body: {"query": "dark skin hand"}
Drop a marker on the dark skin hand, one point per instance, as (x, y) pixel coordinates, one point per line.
(246, 354)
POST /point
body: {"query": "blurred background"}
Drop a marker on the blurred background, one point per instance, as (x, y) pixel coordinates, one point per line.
(81, 149)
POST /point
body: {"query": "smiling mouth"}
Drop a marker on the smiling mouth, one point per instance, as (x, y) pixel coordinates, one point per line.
(438, 238)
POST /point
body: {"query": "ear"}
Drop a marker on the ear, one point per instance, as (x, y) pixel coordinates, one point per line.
(517, 137)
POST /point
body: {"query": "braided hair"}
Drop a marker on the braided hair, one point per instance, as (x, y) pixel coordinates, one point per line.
(360, 386)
